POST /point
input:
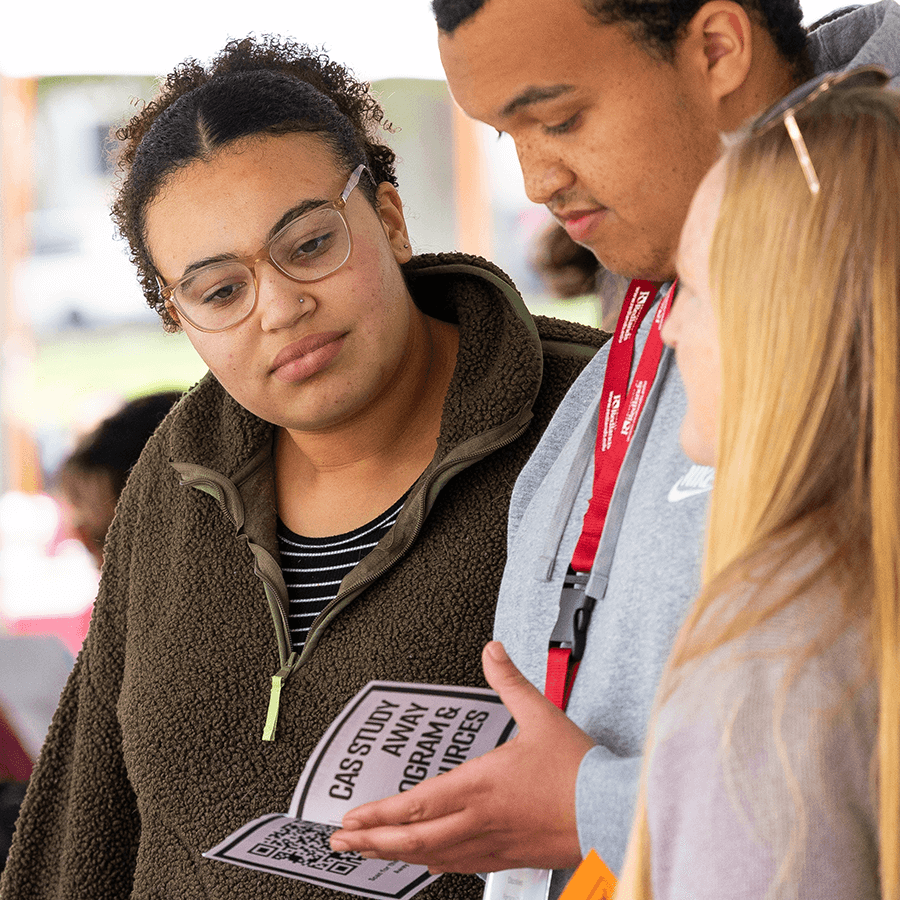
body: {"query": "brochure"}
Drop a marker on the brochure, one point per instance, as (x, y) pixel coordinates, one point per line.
(390, 737)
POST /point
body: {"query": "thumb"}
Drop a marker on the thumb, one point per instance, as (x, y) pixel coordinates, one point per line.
(524, 701)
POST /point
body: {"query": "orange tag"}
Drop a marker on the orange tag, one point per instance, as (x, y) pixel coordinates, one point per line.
(592, 881)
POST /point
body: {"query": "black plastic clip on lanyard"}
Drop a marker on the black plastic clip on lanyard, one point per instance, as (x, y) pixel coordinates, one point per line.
(575, 608)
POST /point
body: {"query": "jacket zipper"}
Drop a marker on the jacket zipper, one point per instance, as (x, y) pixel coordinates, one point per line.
(292, 661)
(287, 657)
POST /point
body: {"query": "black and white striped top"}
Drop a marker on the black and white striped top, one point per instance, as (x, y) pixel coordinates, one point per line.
(314, 568)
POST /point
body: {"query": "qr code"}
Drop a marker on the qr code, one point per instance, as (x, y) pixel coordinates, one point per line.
(306, 844)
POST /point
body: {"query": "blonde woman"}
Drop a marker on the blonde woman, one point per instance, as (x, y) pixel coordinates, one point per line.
(773, 758)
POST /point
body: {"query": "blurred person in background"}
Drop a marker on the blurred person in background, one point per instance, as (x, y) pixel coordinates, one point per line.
(12, 793)
(773, 762)
(34, 668)
(569, 270)
(326, 507)
(33, 672)
(93, 476)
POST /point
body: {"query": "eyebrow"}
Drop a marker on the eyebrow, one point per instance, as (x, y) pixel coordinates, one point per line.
(532, 95)
(293, 213)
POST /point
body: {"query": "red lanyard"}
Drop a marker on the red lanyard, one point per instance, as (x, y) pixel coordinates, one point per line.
(620, 409)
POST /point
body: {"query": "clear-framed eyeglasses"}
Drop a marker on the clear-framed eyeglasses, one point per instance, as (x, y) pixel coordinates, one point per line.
(220, 295)
(786, 110)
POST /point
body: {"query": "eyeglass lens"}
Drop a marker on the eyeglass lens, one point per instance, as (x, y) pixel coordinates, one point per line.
(307, 249)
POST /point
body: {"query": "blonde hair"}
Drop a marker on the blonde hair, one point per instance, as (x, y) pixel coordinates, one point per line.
(808, 448)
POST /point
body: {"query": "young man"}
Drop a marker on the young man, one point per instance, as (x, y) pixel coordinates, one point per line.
(616, 108)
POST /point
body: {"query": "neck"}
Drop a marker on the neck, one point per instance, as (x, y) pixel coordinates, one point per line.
(610, 294)
(610, 314)
(612, 290)
(770, 78)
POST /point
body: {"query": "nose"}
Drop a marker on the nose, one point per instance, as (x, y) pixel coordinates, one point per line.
(673, 324)
(281, 301)
(545, 175)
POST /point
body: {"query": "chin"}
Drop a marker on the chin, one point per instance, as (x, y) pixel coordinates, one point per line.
(697, 447)
(653, 265)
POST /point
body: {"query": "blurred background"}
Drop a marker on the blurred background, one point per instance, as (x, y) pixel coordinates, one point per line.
(76, 339)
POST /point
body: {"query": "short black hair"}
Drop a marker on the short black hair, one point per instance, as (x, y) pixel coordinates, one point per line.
(658, 25)
(253, 87)
(450, 14)
(114, 446)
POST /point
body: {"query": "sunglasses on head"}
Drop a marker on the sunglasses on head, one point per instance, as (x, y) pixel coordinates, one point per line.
(786, 109)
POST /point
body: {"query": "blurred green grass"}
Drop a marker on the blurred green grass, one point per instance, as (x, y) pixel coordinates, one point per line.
(70, 368)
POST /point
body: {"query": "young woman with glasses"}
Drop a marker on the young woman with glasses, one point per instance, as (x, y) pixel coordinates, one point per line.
(327, 506)
(773, 764)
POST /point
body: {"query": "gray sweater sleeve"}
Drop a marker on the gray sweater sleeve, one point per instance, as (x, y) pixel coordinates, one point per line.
(605, 796)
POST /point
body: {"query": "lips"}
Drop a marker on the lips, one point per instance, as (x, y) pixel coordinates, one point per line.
(304, 358)
(579, 223)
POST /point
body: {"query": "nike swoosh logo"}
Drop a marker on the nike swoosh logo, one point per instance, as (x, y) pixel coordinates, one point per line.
(678, 493)
(697, 480)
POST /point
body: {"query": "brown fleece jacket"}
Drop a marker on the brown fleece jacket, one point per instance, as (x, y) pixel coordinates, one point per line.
(156, 752)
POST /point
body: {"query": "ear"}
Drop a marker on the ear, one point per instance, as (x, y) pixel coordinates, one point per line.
(719, 39)
(390, 210)
(173, 312)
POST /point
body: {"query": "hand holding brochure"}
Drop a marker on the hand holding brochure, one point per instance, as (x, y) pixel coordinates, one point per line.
(387, 739)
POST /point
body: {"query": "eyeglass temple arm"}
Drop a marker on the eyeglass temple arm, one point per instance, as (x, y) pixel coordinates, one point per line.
(354, 180)
(812, 179)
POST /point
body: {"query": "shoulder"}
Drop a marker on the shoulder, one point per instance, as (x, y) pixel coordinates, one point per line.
(567, 349)
(578, 368)
(761, 754)
(801, 656)
(571, 393)
(766, 798)
(564, 339)
(210, 428)
(857, 35)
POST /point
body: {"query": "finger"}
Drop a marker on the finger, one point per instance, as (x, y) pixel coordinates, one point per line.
(479, 853)
(435, 842)
(468, 858)
(395, 810)
(525, 702)
(431, 799)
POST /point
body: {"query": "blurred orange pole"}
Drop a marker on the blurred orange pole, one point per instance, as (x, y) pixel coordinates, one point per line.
(474, 225)
(19, 465)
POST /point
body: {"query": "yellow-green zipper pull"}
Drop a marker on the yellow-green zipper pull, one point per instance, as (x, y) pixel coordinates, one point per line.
(275, 698)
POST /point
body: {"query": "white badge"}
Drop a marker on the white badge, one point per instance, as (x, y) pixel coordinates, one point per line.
(518, 884)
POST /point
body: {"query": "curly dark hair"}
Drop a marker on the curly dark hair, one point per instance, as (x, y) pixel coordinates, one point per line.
(253, 86)
(658, 25)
